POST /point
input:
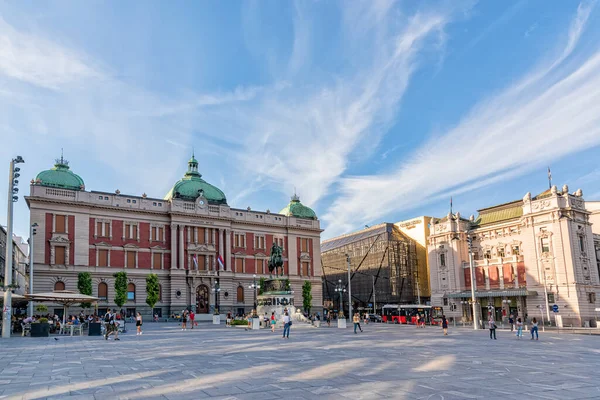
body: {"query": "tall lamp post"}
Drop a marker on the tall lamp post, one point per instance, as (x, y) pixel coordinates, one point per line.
(32, 232)
(349, 289)
(217, 290)
(340, 289)
(254, 286)
(13, 174)
(469, 241)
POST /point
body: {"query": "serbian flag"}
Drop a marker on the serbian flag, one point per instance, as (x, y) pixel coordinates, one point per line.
(221, 262)
(195, 261)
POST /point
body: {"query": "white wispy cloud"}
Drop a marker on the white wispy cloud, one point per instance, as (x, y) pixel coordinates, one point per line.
(550, 113)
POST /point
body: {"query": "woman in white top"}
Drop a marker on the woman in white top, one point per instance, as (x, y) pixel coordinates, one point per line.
(138, 323)
(287, 322)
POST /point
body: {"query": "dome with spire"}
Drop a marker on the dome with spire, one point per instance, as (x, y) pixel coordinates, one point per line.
(298, 210)
(60, 177)
(192, 186)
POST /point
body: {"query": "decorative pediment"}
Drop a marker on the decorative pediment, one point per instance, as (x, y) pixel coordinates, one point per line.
(157, 247)
(131, 246)
(239, 254)
(304, 256)
(200, 247)
(103, 244)
(59, 239)
(260, 255)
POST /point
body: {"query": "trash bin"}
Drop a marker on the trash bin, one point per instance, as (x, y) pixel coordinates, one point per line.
(94, 329)
(586, 324)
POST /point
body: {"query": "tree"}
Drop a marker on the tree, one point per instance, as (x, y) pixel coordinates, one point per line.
(288, 286)
(307, 296)
(120, 288)
(84, 284)
(261, 283)
(152, 290)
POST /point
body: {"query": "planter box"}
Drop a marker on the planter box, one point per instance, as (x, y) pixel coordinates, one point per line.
(95, 329)
(341, 323)
(255, 323)
(40, 330)
(216, 320)
(317, 324)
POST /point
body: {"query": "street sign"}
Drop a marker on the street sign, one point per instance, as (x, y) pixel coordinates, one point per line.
(555, 308)
(597, 309)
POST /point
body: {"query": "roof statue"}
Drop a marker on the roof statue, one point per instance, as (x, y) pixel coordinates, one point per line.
(192, 186)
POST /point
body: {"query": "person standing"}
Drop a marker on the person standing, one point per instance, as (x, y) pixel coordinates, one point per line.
(192, 317)
(356, 320)
(328, 319)
(287, 322)
(519, 328)
(534, 328)
(445, 325)
(492, 326)
(228, 319)
(138, 323)
(273, 321)
(511, 321)
(184, 317)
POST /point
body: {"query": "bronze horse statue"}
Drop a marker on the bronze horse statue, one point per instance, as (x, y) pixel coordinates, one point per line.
(276, 260)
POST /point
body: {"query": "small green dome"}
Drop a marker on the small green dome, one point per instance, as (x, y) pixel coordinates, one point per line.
(298, 210)
(60, 177)
(192, 186)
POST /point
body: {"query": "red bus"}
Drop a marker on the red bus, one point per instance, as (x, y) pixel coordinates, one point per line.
(407, 313)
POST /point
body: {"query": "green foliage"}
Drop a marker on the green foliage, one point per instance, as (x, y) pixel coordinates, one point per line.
(120, 288)
(306, 296)
(262, 285)
(288, 286)
(84, 284)
(239, 322)
(152, 290)
(41, 308)
(41, 321)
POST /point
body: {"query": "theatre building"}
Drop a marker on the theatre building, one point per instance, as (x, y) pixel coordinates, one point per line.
(180, 238)
(535, 257)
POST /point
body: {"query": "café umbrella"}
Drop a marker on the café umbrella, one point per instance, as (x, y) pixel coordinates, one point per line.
(64, 297)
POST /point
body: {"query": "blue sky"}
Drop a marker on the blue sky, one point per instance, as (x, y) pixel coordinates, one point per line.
(373, 110)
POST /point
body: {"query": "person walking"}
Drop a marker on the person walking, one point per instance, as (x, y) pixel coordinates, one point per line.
(519, 328)
(287, 322)
(492, 326)
(228, 320)
(445, 325)
(113, 326)
(534, 328)
(273, 321)
(356, 320)
(511, 321)
(328, 319)
(184, 317)
(138, 323)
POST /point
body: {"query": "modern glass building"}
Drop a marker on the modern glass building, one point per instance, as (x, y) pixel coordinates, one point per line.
(383, 261)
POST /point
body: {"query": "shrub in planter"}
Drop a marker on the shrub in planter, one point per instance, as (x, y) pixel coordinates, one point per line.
(40, 328)
(41, 308)
(239, 322)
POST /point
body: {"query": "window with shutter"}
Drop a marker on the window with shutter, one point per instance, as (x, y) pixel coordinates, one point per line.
(159, 235)
(59, 286)
(103, 258)
(130, 259)
(239, 265)
(201, 262)
(156, 260)
(103, 291)
(60, 224)
(305, 267)
(240, 294)
(260, 266)
(59, 255)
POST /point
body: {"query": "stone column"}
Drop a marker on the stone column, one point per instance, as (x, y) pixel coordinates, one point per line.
(181, 238)
(228, 265)
(213, 235)
(205, 235)
(173, 246)
(221, 244)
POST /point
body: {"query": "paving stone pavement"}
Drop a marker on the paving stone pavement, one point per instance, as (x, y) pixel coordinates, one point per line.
(386, 361)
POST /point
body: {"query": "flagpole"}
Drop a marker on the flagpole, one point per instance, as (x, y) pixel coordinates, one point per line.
(549, 179)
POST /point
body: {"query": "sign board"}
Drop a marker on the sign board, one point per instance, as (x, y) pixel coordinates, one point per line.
(370, 304)
(555, 308)
(597, 309)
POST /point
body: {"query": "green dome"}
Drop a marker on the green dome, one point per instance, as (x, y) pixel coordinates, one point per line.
(192, 186)
(60, 177)
(298, 210)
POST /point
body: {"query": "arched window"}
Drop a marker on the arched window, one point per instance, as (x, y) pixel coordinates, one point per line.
(240, 294)
(103, 291)
(159, 293)
(59, 286)
(131, 292)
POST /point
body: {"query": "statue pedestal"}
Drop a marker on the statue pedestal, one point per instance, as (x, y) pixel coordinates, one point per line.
(255, 323)
(342, 323)
(216, 320)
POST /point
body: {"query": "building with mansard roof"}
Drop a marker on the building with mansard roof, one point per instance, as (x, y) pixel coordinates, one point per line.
(529, 257)
(180, 237)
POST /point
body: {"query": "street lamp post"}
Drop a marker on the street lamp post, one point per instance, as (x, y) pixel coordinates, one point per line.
(254, 286)
(13, 174)
(340, 289)
(32, 232)
(217, 290)
(349, 288)
(469, 241)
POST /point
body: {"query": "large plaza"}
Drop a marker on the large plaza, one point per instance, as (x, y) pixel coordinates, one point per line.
(386, 361)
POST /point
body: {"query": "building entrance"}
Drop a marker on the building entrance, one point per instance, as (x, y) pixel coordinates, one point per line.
(202, 299)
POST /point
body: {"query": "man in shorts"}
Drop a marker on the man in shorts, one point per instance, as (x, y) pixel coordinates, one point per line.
(112, 326)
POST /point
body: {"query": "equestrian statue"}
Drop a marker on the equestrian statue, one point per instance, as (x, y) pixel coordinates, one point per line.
(276, 260)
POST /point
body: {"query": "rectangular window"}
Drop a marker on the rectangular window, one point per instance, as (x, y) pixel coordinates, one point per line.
(103, 229)
(442, 260)
(501, 252)
(545, 245)
(131, 231)
(201, 262)
(103, 258)
(550, 297)
(200, 235)
(259, 242)
(60, 224)
(304, 245)
(59, 255)
(239, 240)
(581, 244)
(445, 301)
(130, 259)
(156, 260)
(487, 254)
(260, 266)
(516, 251)
(239, 265)
(305, 269)
(592, 298)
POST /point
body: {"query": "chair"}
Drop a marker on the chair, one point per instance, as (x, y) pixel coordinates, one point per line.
(25, 328)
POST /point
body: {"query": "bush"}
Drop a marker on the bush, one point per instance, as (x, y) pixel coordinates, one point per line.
(41, 321)
(239, 322)
(40, 308)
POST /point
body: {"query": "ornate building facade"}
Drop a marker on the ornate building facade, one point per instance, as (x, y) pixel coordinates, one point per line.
(202, 250)
(528, 256)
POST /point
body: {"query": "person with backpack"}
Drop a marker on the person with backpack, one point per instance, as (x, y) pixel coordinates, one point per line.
(113, 326)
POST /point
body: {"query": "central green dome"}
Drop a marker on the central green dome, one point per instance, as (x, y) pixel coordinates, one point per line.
(298, 210)
(192, 186)
(60, 177)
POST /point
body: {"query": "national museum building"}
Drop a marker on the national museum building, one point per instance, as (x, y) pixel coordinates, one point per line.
(202, 250)
(530, 256)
